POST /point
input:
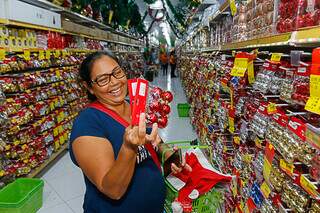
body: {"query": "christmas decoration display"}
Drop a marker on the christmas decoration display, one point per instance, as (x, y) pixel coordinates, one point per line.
(260, 113)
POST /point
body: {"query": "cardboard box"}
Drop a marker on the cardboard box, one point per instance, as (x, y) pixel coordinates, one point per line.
(24, 42)
(29, 43)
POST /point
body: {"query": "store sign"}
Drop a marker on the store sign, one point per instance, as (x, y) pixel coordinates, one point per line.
(23, 12)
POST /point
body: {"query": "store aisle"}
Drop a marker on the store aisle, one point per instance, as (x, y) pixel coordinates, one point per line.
(64, 184)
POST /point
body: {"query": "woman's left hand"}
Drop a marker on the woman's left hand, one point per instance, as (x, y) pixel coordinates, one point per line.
(175, 169)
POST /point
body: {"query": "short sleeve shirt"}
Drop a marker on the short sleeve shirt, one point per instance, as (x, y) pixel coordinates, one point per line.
(146, 192)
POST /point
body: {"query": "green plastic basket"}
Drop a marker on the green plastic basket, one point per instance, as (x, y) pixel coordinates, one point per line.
(183, 110)
(206, 203)
(24, 195)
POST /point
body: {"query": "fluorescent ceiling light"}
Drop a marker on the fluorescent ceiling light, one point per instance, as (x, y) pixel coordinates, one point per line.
(157, 5)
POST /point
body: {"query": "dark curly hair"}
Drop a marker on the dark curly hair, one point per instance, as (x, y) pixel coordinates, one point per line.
(86, 68)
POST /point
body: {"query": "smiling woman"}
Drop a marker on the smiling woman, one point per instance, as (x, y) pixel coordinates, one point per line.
(120, 174)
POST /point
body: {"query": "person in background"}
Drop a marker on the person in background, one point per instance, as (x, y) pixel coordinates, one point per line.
(164, 62)
(172, 60)
(121, 174)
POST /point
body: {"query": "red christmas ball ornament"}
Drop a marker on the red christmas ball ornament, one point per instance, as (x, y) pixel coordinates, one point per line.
(165, 109)
(163, 121)
(167, 96)
(156, 92)
(155, 106)
(152, 118)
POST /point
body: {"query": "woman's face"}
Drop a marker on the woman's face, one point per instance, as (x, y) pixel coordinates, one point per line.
(114, 92)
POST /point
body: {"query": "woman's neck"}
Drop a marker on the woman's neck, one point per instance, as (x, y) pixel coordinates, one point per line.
(120, 109)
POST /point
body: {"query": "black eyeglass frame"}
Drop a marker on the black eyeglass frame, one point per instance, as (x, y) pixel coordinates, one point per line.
(96, 81)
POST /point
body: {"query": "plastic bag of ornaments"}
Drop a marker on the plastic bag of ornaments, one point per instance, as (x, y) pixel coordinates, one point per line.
(260, 121)
(265, 76)
(152, 100)
(301, 85)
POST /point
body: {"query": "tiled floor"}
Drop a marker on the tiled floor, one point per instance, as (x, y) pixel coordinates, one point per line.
(64, 184)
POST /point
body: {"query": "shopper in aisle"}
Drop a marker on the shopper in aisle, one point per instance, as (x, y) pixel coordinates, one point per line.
(118, 161)
(173, 63)
(164, 62)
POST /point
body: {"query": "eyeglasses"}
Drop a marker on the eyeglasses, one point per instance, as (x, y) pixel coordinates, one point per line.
(104, 79)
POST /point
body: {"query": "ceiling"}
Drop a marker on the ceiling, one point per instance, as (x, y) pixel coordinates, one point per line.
(161, 31)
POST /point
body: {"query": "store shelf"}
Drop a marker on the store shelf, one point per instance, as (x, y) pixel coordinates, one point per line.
(296, 38)
(53, 157)
(75, 17)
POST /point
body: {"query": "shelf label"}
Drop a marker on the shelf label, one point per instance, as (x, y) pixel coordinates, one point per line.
(41, 55)
(287, 167)
(308, 186)
(251, 73)
(266, 169)
(240, 66)
(2, 54)
(258, 143)
(265, 189)
(231, 124)
(314, 85)
(48, 54)
(26, 54)
(58, 74)
(236, 140)
(233, 7)
(272, 108)
(276, 57)
(313, 105)
(57, 53)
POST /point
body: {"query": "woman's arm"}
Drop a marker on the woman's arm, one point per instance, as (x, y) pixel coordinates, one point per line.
(95, 157)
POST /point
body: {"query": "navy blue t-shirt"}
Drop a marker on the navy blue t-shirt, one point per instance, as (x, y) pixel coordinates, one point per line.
(146, 192)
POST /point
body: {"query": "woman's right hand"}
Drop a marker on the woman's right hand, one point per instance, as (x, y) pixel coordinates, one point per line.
(135, 136)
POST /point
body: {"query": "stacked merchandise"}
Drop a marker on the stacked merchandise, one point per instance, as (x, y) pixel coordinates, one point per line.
(259, 115)
(40, 97)
(132, 63)
(256, 19)
(17, 38)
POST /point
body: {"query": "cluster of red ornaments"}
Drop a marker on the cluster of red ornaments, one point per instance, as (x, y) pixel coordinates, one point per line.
(158, 108)
(298, 14)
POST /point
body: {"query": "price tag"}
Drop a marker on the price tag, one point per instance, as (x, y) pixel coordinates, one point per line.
(258, 143)
(313, 105)
(55, 132)
(287, 167)
(276, 57)
(315, 86)
(308, 186)
(233, 7)
(58, 74)
(251, 77)
(266, 169)
(57, 53)
(56, 145)
(41, 55)
(240, 67)
(48, 54)
(231, 124)
(265, 189)
(272, 108)
(64, 53)
(2, 54)
(236, 140)
(61, 139)
(52, 106)
(26, 55)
